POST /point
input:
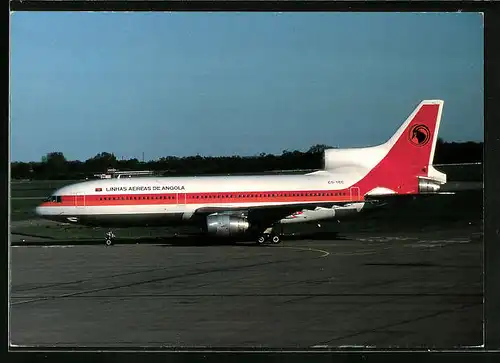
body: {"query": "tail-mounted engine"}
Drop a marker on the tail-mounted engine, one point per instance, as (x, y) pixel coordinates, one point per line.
(226, 224)
(428, 185)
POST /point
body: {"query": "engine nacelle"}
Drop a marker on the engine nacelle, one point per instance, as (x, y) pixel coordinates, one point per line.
(428, 185)
(226, 225)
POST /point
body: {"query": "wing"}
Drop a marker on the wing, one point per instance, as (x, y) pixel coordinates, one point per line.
(267, 214)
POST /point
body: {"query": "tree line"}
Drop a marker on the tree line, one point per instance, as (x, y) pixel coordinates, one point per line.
(54, 165)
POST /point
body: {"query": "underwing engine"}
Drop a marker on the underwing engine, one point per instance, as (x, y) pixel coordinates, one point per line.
(226, 225)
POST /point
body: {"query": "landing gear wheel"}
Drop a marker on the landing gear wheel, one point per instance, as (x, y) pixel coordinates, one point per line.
(276, 239)
(109, 238)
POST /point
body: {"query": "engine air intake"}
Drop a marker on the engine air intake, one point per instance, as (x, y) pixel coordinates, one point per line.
(226, 225)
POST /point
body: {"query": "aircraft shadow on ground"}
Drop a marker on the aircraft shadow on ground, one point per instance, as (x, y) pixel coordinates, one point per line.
(186, 240)
(203, 240)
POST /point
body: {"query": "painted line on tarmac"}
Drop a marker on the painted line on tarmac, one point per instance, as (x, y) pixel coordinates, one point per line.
(359, 253)
(324, 253)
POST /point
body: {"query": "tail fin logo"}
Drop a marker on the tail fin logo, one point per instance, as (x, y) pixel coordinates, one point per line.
(419, 135)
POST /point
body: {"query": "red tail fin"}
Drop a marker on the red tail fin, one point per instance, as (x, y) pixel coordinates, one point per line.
(407, 164)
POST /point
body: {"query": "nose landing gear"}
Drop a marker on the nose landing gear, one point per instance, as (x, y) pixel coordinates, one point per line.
(109, 238)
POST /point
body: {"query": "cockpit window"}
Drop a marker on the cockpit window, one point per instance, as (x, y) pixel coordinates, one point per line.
(54, 199)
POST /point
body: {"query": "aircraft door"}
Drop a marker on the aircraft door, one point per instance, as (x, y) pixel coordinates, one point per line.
(355, 194)
(79, 200)
(181, 198)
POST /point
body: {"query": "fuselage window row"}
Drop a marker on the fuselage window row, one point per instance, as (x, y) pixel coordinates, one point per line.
(57, 199)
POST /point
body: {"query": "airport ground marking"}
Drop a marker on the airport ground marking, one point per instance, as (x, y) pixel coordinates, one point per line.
(324, 253)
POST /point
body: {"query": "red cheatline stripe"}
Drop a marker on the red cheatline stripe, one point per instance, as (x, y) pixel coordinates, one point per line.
(206, 198)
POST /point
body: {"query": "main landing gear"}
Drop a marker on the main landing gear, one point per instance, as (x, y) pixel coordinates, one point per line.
(109, 238)
(269, 236)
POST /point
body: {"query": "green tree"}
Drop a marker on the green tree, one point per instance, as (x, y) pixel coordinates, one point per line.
(318, 148)
(101, 162)
(54, 164)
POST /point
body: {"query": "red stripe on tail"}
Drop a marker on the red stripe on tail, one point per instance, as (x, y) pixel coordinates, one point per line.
(409, 152)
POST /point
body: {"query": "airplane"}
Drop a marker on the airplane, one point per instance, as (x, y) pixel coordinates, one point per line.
(352, 180)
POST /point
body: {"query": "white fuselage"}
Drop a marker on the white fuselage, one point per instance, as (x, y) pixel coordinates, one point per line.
(180, 197)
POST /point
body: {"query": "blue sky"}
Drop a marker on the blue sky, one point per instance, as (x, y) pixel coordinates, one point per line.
(236, 83)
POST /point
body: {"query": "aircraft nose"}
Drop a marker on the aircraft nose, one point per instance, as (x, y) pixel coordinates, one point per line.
(39, 211)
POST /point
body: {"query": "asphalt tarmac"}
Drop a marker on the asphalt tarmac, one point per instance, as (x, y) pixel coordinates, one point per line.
(380, 290)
